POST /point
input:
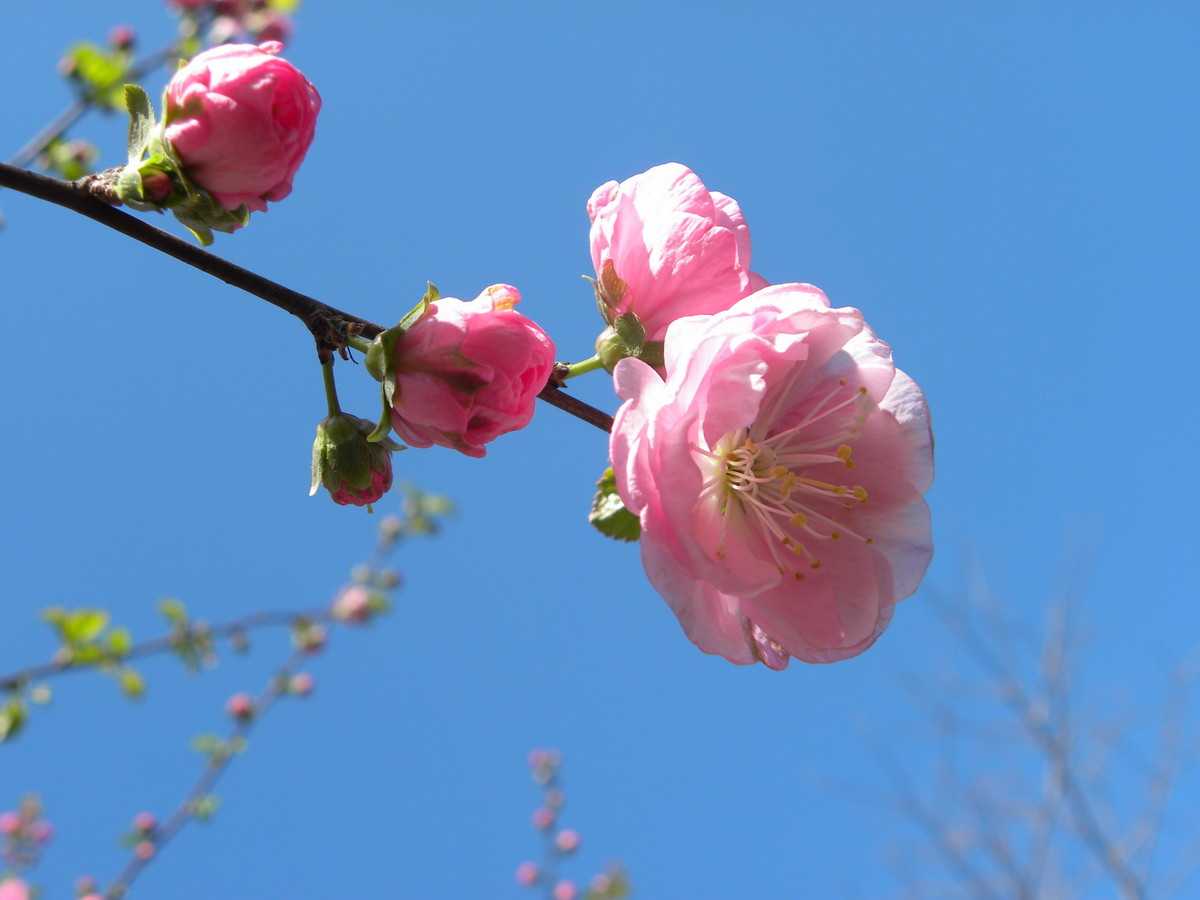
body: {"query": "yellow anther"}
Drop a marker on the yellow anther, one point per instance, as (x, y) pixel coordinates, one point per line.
(799, 520)
(860, 493)
(835, 535)
(844, 453)
(816, 564)
(799, 576)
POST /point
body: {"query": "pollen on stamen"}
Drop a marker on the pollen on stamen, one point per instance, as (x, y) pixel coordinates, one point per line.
(799, 576)
(799, 520)
(860, 493)
(835, 535)
(844, 453)
(816, 564)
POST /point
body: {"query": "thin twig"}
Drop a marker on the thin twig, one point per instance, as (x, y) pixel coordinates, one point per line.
(218, 763)
(168, 643)
(1044, 738)
(328, 325)
(60, 124)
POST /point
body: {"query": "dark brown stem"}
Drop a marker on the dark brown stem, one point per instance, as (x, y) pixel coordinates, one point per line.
(218, 763)
(329, 325)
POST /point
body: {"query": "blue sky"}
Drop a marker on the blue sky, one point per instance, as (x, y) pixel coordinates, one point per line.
(1009, 195)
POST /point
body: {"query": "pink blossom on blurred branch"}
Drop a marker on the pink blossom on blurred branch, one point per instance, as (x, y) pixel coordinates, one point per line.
(777, 473)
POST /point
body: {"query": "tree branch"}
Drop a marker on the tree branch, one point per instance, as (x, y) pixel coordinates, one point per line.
(328, 325)
(218, 763)
(167, 643)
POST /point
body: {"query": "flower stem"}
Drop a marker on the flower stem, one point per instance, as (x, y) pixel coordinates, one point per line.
(331, 399)
(362, 345)
(582, 367)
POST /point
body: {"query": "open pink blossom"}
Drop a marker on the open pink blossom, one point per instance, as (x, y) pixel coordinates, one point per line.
(778, 474)
(469, 371)
(14, 889)
(679, 249)
(241, 120)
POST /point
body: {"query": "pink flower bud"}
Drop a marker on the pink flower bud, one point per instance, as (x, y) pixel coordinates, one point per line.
(528, 874)
(567, 840)
(301, 684)
(468, 372)
(145, 822)
(240, 707)
(156, 186)
(91, 897)
(122, 37)
(189, 4)
(85, 885)
(353, 604)
(143, 850)
(543, 818)
(225, 29)
(233, 8)
(665, 247)
(273, 26)
(14, 889)
(41, 831)
(10, 823)
(354, 470)
(555, 798)
(565, 890)
(242, 120)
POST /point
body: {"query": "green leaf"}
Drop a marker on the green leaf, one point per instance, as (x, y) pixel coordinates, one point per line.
(12, 719)
(141, 121)
(120, 641)
(629, 329)
(205, 807)
(101, 72)
(174, 610)
(76, 627)
(132, 684)
(609, 515)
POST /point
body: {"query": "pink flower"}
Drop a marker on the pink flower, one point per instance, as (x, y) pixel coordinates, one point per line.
(527, 874)
(469, 371)
(10, 823)
(14, 889)
(41, 831)
(188, 4)
(241, 120)
(143, 850)
(680, 249)
(567, 840)
(301, 684)
(777, 473)
(145, 822)
(274, 26)
(543, 818)
(240, 706)
(354, 470)
(122, 37)
(353, 604)
(565, 890)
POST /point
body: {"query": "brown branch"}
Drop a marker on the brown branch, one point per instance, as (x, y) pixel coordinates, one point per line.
(218, 763)
(329, 325)
(167, 643)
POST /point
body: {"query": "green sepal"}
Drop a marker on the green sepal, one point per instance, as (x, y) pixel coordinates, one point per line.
(384, 426)
(608, 514)
(131, 682)
(631, 332)
(141, 121)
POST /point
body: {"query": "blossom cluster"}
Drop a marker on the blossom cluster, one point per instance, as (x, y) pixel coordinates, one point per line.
(561, 843)
(767, 452)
